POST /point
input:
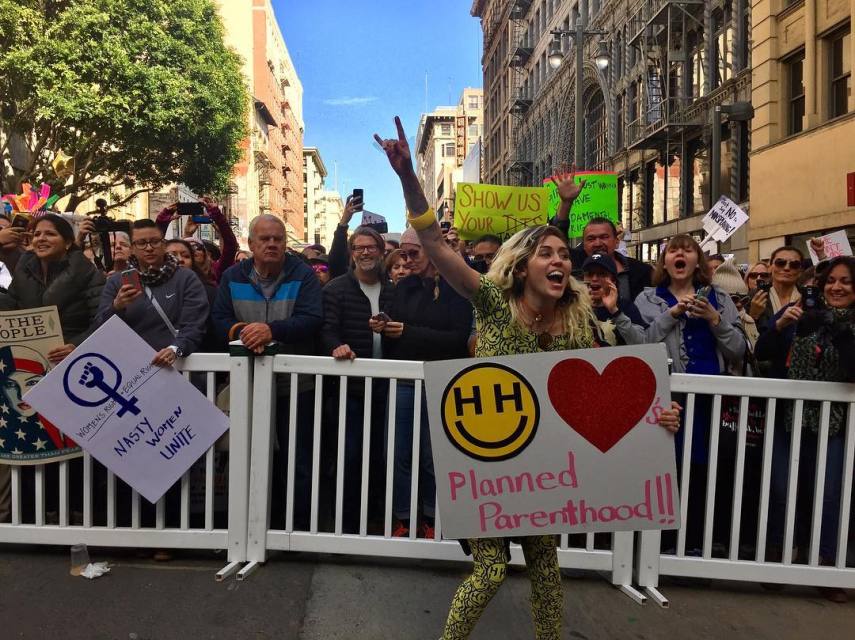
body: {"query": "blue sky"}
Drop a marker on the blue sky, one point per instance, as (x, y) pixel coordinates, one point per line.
(362, 63)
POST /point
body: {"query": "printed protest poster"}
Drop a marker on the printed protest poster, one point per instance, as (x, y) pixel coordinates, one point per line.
(724, 219)
(538, 444)
(28, 437)
(481, 209)
(146, 424)
(834, 244)
(598, 199)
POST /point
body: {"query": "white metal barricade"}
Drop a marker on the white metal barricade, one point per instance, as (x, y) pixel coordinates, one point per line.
(372, 538)
(112, 515)
(759, 560)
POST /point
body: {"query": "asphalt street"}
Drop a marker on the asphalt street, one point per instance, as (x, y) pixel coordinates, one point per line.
(314, 597)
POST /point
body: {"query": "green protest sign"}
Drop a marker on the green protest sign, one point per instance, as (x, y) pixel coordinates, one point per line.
(481, 209)
(599, 199)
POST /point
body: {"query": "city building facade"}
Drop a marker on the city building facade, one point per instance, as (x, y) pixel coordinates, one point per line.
(647, 116)
(330, 209)
(314, 173)
(803, 132)
(445, 138)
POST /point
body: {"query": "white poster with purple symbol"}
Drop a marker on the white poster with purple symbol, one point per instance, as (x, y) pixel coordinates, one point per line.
(146, 424)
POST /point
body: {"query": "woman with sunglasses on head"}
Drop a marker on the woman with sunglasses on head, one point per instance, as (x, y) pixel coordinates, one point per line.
(527, 302)
(813, 339)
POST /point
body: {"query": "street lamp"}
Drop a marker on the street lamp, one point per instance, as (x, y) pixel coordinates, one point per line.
(736, 112)
(601, 59)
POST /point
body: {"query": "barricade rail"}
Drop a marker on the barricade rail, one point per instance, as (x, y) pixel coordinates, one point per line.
(327, 400)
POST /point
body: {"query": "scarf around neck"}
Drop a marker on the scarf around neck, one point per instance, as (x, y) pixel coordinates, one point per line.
(155, 277)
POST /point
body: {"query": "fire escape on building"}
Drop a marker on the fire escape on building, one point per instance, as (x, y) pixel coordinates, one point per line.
(519, 53)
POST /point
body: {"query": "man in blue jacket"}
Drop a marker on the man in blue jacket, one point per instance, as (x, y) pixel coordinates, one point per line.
(275, 297)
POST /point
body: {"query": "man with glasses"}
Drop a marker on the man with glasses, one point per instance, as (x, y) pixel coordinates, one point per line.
(169, 310)
(352, 306)
(483, 252)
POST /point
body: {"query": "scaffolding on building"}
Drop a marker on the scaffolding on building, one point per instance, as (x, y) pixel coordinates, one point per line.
(519, 54)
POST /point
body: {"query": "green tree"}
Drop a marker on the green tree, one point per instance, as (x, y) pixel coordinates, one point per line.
(141, 93)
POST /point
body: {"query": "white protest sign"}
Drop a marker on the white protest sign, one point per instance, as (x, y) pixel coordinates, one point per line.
(556, 442)
(368, 217)
(146, 424)
(724, 219)
(835, 244)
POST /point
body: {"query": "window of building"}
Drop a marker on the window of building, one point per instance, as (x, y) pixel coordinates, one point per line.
(795, 92)
(840, 71)
(473, 131)
(596, 134)
(723, 29)
(698, 196)
(445, 129)
(618, 56)
(448, 150)
(632, 102)
(474, 102)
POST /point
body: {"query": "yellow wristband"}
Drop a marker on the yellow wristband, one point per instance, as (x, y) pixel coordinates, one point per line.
(423, 221)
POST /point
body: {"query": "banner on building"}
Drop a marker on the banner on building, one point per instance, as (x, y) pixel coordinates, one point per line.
(26, 436)
(530, 445)
(598, 199)
(146, 424)
(481, 209)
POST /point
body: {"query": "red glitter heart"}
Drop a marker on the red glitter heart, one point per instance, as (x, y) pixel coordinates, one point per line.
(602, 408)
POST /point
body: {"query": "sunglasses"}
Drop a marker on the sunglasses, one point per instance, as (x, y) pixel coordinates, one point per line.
(415, 254)
(796, 265)
(757, 274)
(320, 268)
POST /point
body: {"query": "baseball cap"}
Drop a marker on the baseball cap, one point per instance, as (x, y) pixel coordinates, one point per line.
(601, 260)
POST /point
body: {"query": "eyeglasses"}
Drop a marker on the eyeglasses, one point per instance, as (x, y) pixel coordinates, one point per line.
(415, 254)
(366, 249)
(795, 265)
(757, 274)
(154, 243)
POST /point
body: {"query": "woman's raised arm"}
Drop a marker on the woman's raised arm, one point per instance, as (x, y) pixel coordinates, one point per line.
(422, 218)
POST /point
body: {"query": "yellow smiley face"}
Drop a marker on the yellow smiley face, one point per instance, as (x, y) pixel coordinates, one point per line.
(490, 412)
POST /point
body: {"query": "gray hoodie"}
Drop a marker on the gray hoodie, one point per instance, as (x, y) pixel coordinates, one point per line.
(663, 327)
(182, 299)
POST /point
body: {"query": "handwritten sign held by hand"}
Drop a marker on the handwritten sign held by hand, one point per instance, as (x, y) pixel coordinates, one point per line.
(146, 424)
(520, 447)
(833, 244)
(598, 199)
(481, 209)
(724, 219)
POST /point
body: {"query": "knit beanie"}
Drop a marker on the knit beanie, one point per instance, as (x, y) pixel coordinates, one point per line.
(727, 279)
(410, 237)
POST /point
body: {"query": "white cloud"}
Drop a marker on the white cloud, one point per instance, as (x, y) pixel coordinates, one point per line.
(349, 102)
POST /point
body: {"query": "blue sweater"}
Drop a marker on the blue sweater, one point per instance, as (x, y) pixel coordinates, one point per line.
(294, 312)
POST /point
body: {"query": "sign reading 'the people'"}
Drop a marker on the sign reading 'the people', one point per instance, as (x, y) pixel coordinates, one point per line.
(561, 442)
(146, 424)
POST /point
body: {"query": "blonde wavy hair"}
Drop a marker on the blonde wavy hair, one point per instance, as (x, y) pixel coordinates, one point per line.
(574, 306)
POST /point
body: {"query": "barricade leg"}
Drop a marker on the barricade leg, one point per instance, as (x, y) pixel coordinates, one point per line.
(622, 565)
(240, 421)
(260, 473)
(647, 565)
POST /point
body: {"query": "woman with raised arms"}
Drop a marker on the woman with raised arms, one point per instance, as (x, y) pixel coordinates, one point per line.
(526, 303)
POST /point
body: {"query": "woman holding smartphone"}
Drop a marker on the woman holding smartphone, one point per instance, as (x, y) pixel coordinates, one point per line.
(526, 303)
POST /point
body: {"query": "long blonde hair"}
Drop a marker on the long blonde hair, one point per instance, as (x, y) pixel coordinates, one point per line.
(574, 307)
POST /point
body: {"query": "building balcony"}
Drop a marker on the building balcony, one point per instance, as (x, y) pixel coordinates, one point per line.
(519, 56)
(520, 8)
(662, 120)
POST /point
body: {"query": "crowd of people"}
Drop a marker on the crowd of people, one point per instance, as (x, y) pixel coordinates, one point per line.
(432, 296)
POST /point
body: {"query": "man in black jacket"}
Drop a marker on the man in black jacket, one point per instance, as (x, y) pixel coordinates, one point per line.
(430, 321)
(352, 304)
(599, 236)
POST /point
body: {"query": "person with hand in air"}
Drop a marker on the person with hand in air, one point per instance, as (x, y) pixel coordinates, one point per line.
(526, 303)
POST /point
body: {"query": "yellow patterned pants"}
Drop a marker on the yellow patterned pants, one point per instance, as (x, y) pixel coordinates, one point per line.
(475, 593)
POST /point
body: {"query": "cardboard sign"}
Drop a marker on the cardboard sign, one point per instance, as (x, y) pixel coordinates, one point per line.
(146, 424)
(563, 442)
(599, 199)
(481, 209)
(835, 244)
(724, 219)
(27, 437)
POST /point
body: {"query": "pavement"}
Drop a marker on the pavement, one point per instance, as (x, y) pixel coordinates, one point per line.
(314, 597)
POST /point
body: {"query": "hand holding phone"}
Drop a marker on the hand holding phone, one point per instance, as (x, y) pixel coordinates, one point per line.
(357, 200)
(131, 278)
(382, 317)
(190, 208)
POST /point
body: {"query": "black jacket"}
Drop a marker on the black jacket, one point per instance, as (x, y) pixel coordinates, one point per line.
(433, 329)
(346, 314)
(73, 284)
(639, 273)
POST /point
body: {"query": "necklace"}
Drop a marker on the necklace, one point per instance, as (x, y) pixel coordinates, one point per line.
(544, 338)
